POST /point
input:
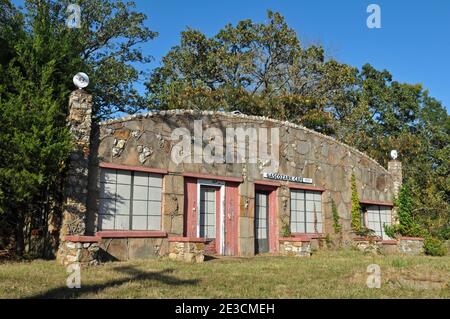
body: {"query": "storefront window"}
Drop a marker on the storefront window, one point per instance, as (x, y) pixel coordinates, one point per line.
(306, 211)
(129, 200)
(374, 217)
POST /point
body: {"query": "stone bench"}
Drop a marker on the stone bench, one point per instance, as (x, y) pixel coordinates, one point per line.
(79, 249)
(295, 246)
(187, 249)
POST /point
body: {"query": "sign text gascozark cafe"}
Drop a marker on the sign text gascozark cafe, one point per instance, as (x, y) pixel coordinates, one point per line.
(295, 179)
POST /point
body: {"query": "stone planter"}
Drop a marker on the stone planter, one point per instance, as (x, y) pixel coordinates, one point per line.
(187, 249)
(410, 245)
(402, 245)
(295, 246)
(367, 244)
(79, 249)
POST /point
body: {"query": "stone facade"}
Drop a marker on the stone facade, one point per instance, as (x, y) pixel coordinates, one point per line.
(144, 142)
(303, 152)
(297, 248)
(187, 251)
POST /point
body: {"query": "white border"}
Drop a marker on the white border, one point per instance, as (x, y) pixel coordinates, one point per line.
(221, 185)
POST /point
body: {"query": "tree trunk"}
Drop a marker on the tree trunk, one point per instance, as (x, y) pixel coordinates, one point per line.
(20, 241)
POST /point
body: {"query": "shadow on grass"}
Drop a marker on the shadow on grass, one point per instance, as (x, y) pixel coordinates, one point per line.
(134, 275)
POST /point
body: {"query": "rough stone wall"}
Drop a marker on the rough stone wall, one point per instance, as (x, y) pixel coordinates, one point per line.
(76, 190)
(78, 252)
(145, 140)
(133, 248)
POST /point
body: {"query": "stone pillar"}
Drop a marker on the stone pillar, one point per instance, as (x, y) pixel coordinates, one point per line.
(395, 168)
(76, 189)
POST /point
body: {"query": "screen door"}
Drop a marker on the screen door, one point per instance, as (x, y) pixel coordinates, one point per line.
(261, 222)
(208, 212)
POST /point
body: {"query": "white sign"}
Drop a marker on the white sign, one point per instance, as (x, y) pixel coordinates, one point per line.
(295, 179)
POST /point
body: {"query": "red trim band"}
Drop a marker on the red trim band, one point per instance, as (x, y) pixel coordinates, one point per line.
(376, 202)
(306, 187)
(411, 238)
(267, 183)
(295, 239)
(131, 234)
(309, 235)
(216, 177)
(188, 239)
(134, 168)
(389, 242)
(82, 239)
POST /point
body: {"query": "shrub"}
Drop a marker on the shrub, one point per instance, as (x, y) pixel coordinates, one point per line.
(336, 225)
(434, 247)
(356, 208)
(285, 230)
(407, 226)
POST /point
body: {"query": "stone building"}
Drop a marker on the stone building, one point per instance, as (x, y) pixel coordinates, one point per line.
(230, 184)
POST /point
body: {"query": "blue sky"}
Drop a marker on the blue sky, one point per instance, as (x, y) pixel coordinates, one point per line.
(413, 42)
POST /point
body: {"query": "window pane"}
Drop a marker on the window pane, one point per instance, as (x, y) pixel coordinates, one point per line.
(139, 207)
(309, 217)
(318, 196)
(154, 222)
(122, 222)
(309, 195)
(154, 208)
(107, 190)
(140, 192)
(310, 228)
(154, 193)
(139, 222)
(123, 191)
(141, 178)
(106, 206)
(123, 207)
(309, 206)
(155, 180)
(106, 222)
(107, 176)
(123, 177)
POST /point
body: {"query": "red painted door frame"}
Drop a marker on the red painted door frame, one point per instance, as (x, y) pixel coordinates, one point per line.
(231, 213)
(273, 208)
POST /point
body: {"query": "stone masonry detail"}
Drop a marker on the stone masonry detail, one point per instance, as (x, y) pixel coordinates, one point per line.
(76, 189)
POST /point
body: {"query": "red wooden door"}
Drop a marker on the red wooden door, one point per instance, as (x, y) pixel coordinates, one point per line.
(231, 218)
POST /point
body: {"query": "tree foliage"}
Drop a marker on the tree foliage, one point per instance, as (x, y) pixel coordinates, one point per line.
(256, 68)
(39, 56)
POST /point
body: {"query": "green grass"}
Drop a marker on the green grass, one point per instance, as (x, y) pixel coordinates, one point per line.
(327, 274)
